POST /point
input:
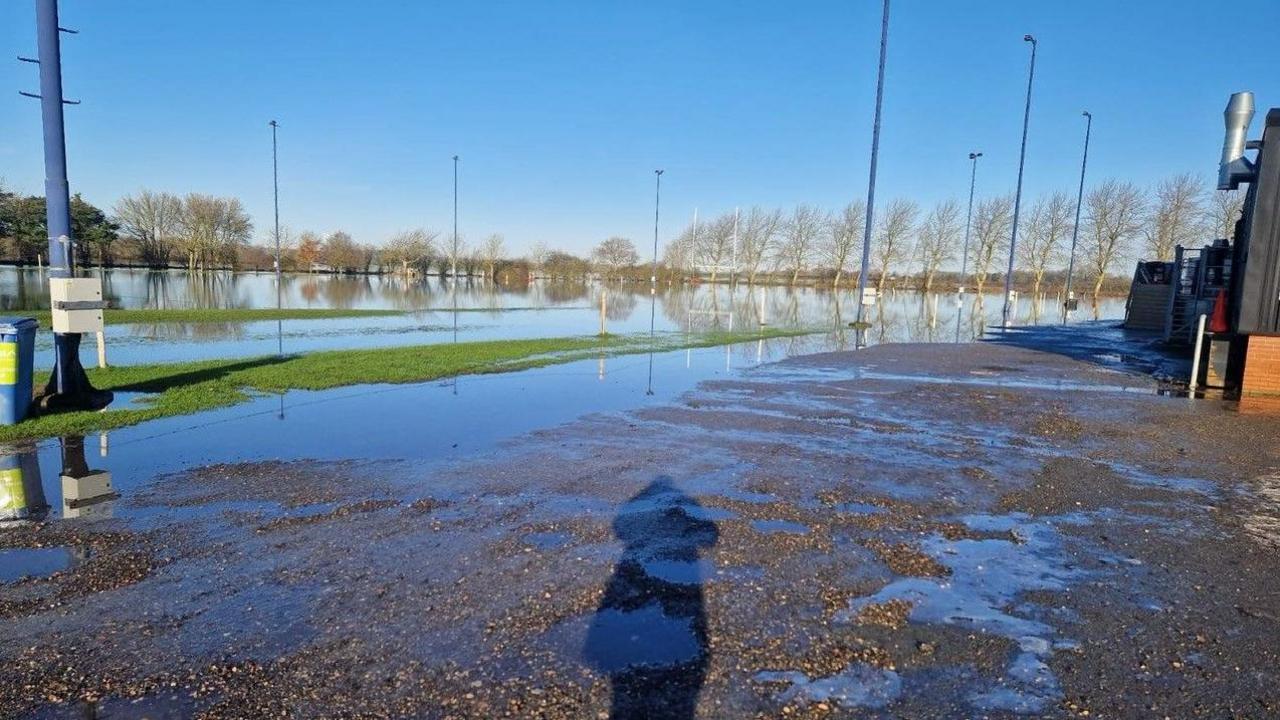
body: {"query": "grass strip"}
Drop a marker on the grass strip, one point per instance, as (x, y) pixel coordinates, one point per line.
(190, 387)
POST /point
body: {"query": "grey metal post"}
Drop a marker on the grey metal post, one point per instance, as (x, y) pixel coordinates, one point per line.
(453, 256)
(275, 187)
(875, 152)
(1075, 229)
(968, 222)
(1017, 195)
(657, 198)
(68, 387)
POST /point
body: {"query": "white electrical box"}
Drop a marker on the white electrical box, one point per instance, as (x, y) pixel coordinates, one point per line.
(77, 304)
(94, 485)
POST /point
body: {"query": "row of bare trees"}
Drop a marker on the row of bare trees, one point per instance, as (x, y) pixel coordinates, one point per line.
(1119, 221)
(205, 230)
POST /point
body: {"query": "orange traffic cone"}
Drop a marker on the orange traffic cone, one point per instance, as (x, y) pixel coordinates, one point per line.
(1218, 323)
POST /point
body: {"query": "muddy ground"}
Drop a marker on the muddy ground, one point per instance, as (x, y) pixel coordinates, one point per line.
(905, 531)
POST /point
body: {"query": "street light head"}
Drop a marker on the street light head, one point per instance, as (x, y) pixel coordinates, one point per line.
(272, 123)
(1029, 38)
(658, 172)
(455, 158)
(1087, 114)
(975, 156)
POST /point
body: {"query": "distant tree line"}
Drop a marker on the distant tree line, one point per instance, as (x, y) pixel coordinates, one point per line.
(911, 247)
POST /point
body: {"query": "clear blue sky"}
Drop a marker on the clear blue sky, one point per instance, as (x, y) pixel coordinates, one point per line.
(561, 110)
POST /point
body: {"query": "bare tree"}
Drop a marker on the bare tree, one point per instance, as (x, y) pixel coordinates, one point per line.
(491, 251)
(1048, 225)
(341, 253)
(938, 238)
(410, 248)
(893, 237)
(677, 255)
(758, 233)
(1224, 209)
(455, 255)
(991, 226)
(800, 238)
(538, 255)
(1176, 217)
(715, 243)
(613, 255)
(1115, 215)
(840, 242)
(152, 220)
(211, 229)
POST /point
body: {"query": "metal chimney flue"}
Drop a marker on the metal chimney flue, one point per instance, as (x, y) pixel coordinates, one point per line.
(1235, 168)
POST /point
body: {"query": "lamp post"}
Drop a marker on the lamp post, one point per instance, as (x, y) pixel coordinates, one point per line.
(653, 271)
(1075, 229)
(875, 152)
(69, 387)
(453, 256)
(275, 187)
(1017, 195)
(968, 223)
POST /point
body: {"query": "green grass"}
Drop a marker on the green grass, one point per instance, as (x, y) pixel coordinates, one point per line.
(190, 387)
(113, 316)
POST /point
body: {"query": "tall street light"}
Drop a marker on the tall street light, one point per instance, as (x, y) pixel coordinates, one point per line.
(1017, 195)
(1075, 229)
(453, 260)
(968, 223)
(875, 153)
(275, 187)
(653, 271)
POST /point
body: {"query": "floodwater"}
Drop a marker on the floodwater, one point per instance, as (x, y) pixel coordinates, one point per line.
(439, 311)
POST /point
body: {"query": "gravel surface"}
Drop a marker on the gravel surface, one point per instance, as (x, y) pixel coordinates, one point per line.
(908, 531)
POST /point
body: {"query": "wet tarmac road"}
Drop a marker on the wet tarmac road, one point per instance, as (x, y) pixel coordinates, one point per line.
(905, 531)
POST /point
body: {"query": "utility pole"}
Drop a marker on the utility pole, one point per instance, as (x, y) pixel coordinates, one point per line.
(968, 223)
(68, 388)
(657, 200)
(453, 257)
(1007, 312)
(275, 187)
(875, 152)
(1075, 229)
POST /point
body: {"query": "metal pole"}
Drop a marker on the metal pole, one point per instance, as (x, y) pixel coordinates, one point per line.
(875, 153)
(1195, 359)
(1075, 229)
(453, 257)
(1017, 195)
(68, 387)
(968, 222)
(657, 198)
(275, 187)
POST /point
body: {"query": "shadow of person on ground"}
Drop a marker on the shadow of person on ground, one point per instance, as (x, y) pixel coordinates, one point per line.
(650, 632)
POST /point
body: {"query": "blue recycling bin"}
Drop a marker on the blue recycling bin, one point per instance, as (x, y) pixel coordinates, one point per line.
(17, 357)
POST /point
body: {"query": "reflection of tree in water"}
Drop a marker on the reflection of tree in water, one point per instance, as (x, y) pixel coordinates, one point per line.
(562, 292)
(201, 331)
(344, 293)
(650, 630)
(618, 305)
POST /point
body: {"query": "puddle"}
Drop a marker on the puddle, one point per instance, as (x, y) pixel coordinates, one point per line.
(860, 685)
(22, 563)
(987, 576)
(623, 639)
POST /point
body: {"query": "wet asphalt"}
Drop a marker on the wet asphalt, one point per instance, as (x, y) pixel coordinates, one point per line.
(911, 531)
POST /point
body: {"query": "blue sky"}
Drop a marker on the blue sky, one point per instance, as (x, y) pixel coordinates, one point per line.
(561, 110)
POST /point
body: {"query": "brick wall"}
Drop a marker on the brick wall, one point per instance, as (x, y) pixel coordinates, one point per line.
(1262, 367)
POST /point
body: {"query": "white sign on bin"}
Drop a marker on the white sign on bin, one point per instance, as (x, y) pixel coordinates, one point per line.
(64, 292)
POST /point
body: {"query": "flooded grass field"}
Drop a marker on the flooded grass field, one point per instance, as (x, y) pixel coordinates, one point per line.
(490, 312)
(784, 527)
